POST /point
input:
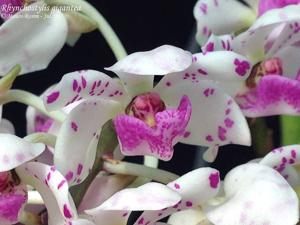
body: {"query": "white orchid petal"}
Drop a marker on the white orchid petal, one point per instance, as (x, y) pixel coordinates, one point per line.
(137, 70)
(218, 43)
(230, 76)
(29, 41)
(270, 33)
(151, 196)
(85, 84)
(6, 127)
(256, 194)
(102, 188)
(216, 118)
(289, 58)
(281, 159)
(16, 151)
(213, 18)
(195, 188)
(79, 135)
(53, 187)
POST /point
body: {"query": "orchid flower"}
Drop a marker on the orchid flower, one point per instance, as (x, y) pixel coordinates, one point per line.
(189, 189)
(146, 119)
(210, 15)
(13, 197)
(253, 193)
(15, 156)
(34, 35)
(271, 45)
(259, 192)
(53, 187)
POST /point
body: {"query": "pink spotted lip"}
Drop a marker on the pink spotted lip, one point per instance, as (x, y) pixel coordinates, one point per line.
(136, 137)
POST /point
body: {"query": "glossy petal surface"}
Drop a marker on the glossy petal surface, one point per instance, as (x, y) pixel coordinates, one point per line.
(31, 42)
(53, 187)
(151, 196)
(213, 18)
(16, 151)
(281, 159)
(78, 138)
(216, 118)
(159, 61)
(271, 33)
(230, 76)
(195, 188)
(257, 195)
(86, 84)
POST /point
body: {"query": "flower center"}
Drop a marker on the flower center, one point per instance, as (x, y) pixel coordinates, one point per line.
(145, 106)
(4, 177)
(271, 66)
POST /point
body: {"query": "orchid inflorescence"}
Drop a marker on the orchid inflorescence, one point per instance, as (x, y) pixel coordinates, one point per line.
(70, 168)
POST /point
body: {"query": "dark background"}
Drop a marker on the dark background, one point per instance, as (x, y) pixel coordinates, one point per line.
(141, 25)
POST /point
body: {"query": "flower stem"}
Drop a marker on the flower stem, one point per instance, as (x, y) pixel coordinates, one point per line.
(125, 168)
(28, 98)
(7, 80)
(39, 137)
(103, 26)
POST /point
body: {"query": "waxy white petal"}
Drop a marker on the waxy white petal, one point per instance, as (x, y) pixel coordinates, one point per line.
(31, 42)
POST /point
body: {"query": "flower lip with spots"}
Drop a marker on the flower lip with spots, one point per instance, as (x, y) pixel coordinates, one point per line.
(171, 102)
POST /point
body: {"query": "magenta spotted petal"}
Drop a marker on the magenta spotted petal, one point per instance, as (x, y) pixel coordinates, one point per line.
(116, 210)
(80, 134)
(85, 84)
(137, 138)
(266, 5)
(273, 95)
(282, 159)
(255, 194)
(213, 17)
(53, 187)
(195, 189)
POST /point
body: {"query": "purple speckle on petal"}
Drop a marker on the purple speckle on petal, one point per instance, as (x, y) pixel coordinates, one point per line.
(189, 204)
(79, 169)
(69, 175)
(177, 186)
(214, 179)
(67, 212)
(241, 67)
(228, 122)
(186, 134)
(61, 184)
(52, 97)
(74, 126)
